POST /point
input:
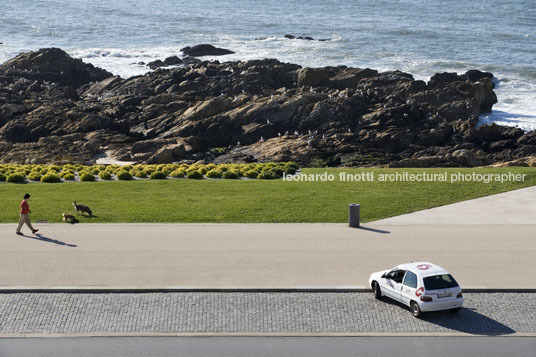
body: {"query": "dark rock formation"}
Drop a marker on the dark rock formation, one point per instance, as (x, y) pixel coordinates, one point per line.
(57, 109)
(205, 50)
(170, 61)
(307, 38)
(52, 65)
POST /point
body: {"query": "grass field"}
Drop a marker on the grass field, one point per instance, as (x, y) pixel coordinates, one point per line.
(183, 200)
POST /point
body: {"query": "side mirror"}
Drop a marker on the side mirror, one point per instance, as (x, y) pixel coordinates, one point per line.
(384, 275)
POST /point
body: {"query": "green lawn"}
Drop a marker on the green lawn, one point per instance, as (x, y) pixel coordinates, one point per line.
(182, 200)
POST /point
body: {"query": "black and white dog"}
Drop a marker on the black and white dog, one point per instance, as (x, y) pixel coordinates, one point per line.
(82, 209)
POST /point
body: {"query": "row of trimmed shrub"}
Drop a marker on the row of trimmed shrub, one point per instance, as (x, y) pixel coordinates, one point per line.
(55, 173)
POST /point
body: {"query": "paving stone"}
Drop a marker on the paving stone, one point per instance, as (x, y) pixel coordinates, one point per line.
(483, 313)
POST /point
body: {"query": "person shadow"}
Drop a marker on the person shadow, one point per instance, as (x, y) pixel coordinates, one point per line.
(41, 237)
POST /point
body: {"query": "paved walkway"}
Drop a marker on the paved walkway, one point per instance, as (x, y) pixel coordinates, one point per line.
(486, 243)
(483, 313)
(510, 208)
(260, 255)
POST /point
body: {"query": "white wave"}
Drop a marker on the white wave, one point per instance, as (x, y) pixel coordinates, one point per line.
(516, 106)
(124, 62)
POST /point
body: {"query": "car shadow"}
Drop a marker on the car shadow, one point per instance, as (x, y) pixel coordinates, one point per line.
(375, 230)
(40, 237)
(467, 320)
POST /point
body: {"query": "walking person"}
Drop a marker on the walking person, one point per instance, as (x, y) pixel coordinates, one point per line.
(25, 215)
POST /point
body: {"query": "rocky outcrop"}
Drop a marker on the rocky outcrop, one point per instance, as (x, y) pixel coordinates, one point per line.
(307, 38)
(170, 61)
(205, 50)
(52, 65)
(57, 109)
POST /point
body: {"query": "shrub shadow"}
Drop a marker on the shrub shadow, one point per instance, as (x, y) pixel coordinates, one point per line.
(468, 320)
(40, 237)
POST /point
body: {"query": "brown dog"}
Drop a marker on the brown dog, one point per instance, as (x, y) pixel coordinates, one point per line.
(69, 218)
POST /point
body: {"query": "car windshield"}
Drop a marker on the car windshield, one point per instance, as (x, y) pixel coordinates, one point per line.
(443, 281)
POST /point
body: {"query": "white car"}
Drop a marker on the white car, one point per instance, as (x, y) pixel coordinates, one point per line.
(422, 286)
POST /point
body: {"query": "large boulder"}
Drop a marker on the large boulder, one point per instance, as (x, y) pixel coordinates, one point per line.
(312, 77)
(167, 154)
(53, 65)
(439, 80)
(466, 158)
(493, 132)
(423, 161)
(475, 75)
(205, 50)
(170, 61)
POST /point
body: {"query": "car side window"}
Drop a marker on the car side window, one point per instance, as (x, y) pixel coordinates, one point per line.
(410, 279)
(399, 276)
(392, 274)
(396, 275)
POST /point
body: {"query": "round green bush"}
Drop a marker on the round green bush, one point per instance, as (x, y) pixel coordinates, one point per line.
(158, 175)
(34, 176)
(123, 175)
(105, 175)
(230, 175)
(251, 174)
(2, 177)
(278, 171)
(16, 178)
(86, 176)
(54, 168)
(267, 175)
(290, 169)
(50, 177)
(178, 173)
(196, 175)
(68, 176)
(214, 173)
(168, 169)
(141, 174)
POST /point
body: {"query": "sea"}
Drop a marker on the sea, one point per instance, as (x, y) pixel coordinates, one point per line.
(421, 37)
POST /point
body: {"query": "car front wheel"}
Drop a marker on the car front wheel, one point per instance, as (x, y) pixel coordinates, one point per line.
(377, 291)
(415, 309)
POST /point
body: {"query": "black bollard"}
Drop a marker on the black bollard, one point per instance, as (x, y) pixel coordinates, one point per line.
(353, 215)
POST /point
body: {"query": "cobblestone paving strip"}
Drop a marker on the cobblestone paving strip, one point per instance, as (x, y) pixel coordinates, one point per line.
(483, 313)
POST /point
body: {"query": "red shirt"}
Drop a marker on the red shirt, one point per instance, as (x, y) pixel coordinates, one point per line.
(24, 207)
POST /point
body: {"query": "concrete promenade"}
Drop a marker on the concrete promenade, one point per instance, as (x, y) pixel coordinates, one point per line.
(508, 208)
(259, 255)
(486, 243)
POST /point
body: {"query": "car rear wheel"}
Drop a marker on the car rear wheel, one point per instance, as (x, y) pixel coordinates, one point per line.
(377, 291)
(453, 311)
(415, 309)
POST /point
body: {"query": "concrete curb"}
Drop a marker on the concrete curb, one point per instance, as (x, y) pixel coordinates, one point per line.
(180, 289)
(262, 334)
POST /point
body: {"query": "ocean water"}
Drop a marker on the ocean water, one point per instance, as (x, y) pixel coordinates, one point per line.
(421, 37)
